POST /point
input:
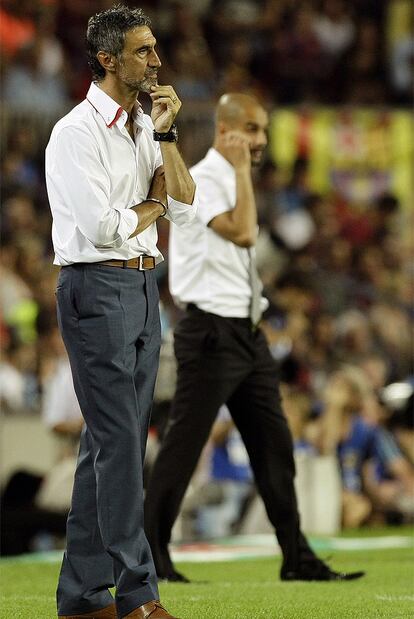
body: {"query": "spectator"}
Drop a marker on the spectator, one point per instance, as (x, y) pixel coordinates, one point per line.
(29, 83)
(61, 412)
(375, 473)
(21, 519)
(365, 67)
(17, 27)
(334, 28)
(189, 55)
(230, 480)
(12, 385)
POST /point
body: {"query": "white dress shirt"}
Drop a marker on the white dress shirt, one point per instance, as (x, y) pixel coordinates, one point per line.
(95, 173)
(60, 403)
(205, 268)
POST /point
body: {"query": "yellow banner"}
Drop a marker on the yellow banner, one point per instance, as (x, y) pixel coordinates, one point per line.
(360, 153)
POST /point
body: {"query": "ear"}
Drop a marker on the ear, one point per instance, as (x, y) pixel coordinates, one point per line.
(107, 61)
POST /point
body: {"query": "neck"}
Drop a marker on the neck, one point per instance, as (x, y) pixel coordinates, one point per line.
(119, 93)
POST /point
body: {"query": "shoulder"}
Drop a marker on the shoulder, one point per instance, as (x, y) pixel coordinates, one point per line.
(204, 170)
(79, 120)
(203, 166)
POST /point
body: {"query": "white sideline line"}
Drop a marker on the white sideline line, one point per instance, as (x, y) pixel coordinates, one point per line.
(395, 598)
(251, 546)
(371, 543)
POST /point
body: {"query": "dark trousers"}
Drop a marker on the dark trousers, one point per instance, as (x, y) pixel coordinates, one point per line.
(221, 360)
(109, 321)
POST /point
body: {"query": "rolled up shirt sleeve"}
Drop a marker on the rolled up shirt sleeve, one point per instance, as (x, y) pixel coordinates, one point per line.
(215, 201)
(180, 213)
(82, 186)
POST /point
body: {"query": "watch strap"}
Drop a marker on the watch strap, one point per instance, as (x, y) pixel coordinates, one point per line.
(168, 136)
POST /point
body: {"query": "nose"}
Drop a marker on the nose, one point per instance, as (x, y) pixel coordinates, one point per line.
(154, 60)
(263, 138)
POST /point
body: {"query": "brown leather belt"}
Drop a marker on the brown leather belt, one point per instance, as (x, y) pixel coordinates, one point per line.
(142, 263)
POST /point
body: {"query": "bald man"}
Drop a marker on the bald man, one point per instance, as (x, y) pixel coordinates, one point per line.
(222, 354)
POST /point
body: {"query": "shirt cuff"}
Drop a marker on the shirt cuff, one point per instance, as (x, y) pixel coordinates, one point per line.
(180, 213)
(128, 221)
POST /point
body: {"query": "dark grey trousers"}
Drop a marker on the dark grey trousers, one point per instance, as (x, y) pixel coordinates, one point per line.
(109, 321)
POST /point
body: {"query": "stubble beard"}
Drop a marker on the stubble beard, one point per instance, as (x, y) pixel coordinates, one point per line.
(146, 84)
(143, 85)
(256, 160)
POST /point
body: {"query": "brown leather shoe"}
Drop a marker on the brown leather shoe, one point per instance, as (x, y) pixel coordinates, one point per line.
(109, 612)
(150, 610)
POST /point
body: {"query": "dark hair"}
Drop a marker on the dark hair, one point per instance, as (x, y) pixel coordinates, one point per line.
(106, 32)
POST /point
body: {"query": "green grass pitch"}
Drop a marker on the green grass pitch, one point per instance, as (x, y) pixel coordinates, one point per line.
(244, 589)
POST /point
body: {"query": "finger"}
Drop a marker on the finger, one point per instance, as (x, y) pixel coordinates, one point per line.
(165, 86)
(165, 91)
(237, 141)
(238, 137)
(168, 102)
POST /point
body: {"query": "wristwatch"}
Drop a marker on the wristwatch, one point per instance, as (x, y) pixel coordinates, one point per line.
(168, 136)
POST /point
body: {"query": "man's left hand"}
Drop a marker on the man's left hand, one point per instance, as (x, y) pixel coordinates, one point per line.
(165, 107)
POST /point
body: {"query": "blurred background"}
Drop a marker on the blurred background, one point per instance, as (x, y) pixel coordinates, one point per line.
(335, 200)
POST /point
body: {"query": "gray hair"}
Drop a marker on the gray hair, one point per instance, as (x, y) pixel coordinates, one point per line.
(106, 32)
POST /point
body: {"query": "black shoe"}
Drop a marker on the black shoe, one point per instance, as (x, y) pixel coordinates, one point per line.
(317, 570)
(173, 576)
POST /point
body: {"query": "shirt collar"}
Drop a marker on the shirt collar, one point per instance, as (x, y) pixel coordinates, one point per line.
(226, 169)
(110, 110)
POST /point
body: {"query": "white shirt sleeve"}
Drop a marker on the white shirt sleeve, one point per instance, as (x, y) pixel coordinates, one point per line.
(83, 186)
(213, 198)
(180, 213)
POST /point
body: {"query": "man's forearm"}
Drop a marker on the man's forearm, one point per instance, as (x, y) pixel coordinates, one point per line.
(157, 189)
(147, 212)
(245, 212)
(178, 181)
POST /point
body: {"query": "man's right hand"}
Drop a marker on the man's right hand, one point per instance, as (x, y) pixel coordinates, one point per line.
(235, 147)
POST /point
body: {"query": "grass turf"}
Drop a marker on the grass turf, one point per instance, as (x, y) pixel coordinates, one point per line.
(248, 589)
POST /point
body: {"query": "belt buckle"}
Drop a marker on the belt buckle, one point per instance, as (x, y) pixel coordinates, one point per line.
(141, 266)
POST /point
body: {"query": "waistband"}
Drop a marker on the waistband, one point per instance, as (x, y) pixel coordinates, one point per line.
(141, 263)
(193, 308)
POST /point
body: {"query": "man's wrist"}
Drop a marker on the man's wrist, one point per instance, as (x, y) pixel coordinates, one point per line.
(164, 206)
(166, 136)
(243, 169)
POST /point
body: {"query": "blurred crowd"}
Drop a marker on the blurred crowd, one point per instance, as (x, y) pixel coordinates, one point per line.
(287, 51)
(339, 276)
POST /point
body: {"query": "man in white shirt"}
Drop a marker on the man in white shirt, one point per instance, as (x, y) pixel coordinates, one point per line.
(222, 354)
(111, 171)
